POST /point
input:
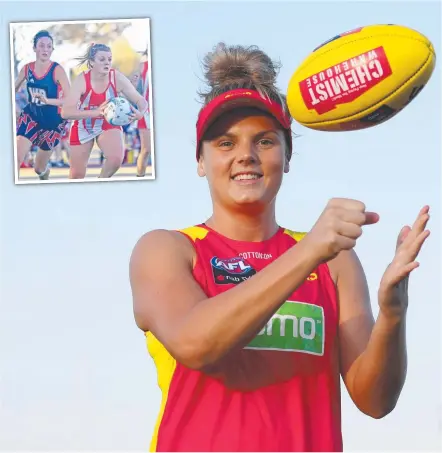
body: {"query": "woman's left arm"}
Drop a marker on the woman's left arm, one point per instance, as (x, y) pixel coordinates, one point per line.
(373, 355)
(125, 87)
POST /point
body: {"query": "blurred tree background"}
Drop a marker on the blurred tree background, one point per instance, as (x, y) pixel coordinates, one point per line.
(104, 33)
(72, 40)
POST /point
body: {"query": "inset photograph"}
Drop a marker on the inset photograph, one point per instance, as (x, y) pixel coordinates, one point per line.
(82, 101)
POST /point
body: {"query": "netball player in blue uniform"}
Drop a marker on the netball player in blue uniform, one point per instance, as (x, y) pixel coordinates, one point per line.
(40, 123)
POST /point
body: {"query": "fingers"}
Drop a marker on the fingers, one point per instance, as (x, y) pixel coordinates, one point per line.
(418, 227)
(410, 267)
(402, 272)
(371, 218)
(349, 230)
(411, 252)
(353, 211)
(402, 235)
(404, 261)
(345, 243)
(346, 203)
(421, 220)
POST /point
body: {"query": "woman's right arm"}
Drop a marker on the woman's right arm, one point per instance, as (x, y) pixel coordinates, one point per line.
(69, 110)
(198, 330)
(20, 78)
(195, 329)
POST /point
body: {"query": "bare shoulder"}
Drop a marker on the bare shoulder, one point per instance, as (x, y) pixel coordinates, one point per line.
(59, 69)
(61, 75)
(120, 78)
(159, 297)
(159, 245)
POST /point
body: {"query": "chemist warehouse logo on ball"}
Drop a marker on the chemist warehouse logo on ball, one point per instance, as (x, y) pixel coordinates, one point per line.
(231, 270)
(345, 81)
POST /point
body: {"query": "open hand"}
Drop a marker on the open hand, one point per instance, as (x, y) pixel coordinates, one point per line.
(393, 289)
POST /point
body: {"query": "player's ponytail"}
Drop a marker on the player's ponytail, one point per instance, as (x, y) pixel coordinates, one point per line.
(89, 56)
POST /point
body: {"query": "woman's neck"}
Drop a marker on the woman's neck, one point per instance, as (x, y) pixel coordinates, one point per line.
(244, 226)
(42, 66)
(98, 77)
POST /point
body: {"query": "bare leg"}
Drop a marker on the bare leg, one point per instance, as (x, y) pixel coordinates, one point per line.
(112, 144)
(23, 147)
(41, 164)
(66, 149)
(80, 155)
(144, 154)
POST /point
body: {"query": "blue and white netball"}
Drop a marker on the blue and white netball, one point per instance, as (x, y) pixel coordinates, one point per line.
(117, 112)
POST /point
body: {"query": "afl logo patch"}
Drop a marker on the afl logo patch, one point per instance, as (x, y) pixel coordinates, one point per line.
(230, 270)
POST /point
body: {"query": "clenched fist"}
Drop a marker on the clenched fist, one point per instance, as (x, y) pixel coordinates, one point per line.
(338, 227)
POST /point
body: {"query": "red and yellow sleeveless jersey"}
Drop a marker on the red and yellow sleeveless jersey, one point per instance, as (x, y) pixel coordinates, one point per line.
(279, 393)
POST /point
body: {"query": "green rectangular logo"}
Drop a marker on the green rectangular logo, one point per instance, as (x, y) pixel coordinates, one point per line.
(296, 327)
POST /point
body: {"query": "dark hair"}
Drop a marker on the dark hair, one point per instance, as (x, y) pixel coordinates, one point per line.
(91, 52)
(232, 67)
(42, 34)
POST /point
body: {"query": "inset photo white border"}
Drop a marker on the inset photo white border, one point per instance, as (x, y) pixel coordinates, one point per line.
(129, 42)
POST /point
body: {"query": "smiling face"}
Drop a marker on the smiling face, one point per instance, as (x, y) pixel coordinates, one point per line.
(102, 62)
(244, 158)
(43, 49)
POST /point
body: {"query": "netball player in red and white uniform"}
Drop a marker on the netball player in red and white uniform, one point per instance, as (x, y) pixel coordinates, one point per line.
(144, 123)
(91, 91)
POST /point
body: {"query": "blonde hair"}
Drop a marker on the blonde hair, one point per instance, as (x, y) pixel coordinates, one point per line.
(90, 53)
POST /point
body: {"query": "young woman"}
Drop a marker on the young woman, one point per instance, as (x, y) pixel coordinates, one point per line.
(144, 123)
(251, 324)
(40, 123)
(90, 93)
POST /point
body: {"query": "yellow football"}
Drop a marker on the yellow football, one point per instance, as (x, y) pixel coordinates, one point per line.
(360, 78)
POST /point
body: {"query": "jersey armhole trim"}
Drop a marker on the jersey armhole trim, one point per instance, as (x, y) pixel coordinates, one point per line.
(192, 241)
(55, 65)
(86, 83)
(296, 235)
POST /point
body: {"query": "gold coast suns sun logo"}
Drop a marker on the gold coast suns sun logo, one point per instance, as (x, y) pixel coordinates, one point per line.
(230, 271)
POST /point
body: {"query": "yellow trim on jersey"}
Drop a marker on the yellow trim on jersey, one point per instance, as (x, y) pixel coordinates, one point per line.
(195, 232)
(297, 236)
(164, 362)
(166, 366)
